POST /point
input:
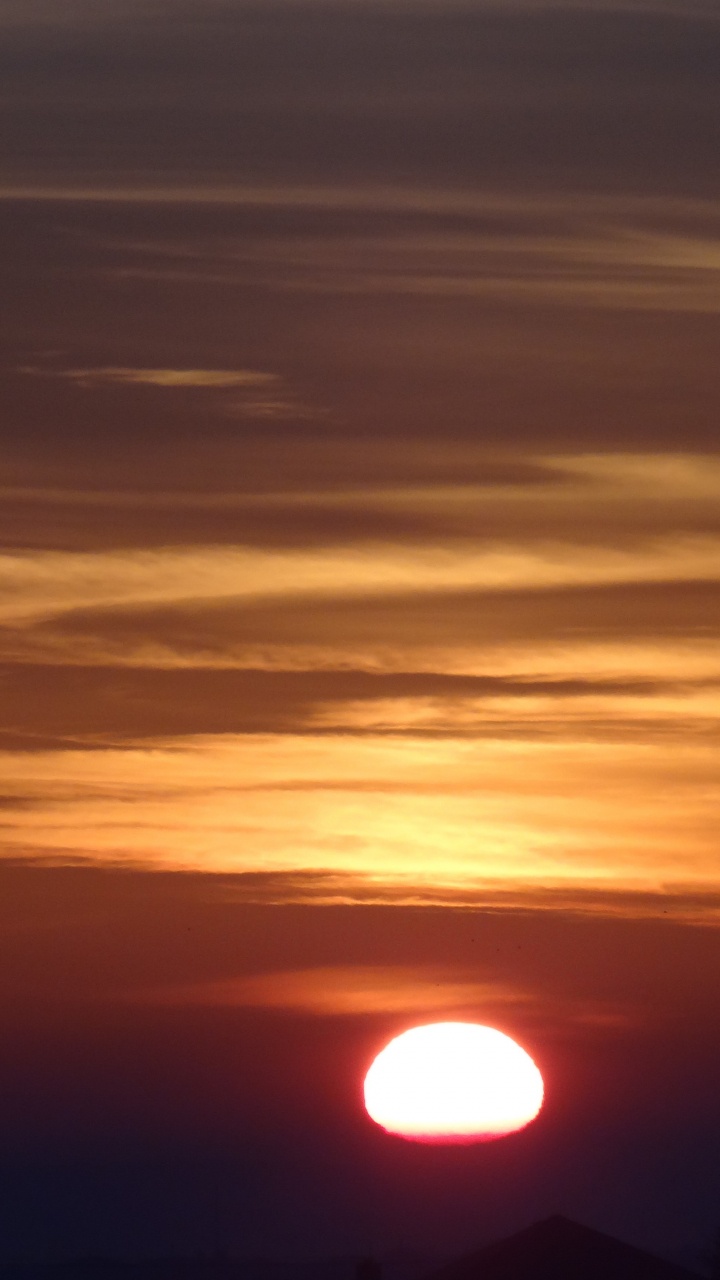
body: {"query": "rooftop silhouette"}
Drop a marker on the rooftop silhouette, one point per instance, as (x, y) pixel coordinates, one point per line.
(560, 1249)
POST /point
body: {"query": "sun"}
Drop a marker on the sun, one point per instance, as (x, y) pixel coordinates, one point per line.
(453, 1082)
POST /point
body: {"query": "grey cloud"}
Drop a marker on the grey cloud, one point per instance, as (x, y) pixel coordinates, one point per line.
(616, 255)
(576, 96)
(396, 382)
(369, 378)
(95, 520)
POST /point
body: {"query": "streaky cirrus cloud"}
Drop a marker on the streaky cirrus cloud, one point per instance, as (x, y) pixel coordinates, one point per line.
(415, 816)
(50, 584)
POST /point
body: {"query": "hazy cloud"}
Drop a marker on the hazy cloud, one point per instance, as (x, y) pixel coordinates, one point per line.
(348, 989)
(208, 378)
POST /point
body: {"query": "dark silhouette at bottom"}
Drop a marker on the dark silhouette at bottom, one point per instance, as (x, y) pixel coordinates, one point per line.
(559, 1249)
(368, 1269)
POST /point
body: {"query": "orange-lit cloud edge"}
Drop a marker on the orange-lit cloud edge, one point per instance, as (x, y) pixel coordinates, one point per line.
(487, 797)
(693, 904)
(408, 992)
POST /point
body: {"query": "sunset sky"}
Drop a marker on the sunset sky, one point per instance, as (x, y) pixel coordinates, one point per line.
(359, 612)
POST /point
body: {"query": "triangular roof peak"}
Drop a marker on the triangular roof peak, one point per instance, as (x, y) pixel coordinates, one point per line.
(557, 1248)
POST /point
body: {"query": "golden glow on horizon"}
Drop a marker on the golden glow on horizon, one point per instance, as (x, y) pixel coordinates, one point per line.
(453, 1082)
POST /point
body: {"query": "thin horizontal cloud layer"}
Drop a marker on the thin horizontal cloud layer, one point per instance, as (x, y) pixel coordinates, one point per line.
(481, 498)
(347, 990)
(419, 818)
(664, 527)
(382, 383)
(509, 92)
(221, 378)
(619, 261)
(136, 702)
(52, 584)
(370, 990)
(428, 720)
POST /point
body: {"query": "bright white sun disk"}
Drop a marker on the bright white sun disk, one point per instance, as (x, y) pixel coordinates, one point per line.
(453, 1082)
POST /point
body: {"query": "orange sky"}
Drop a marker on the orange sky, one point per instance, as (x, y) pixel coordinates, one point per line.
(359, 561)
(525, 703)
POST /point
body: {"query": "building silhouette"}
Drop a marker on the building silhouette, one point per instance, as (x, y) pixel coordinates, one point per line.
(559, 1249)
